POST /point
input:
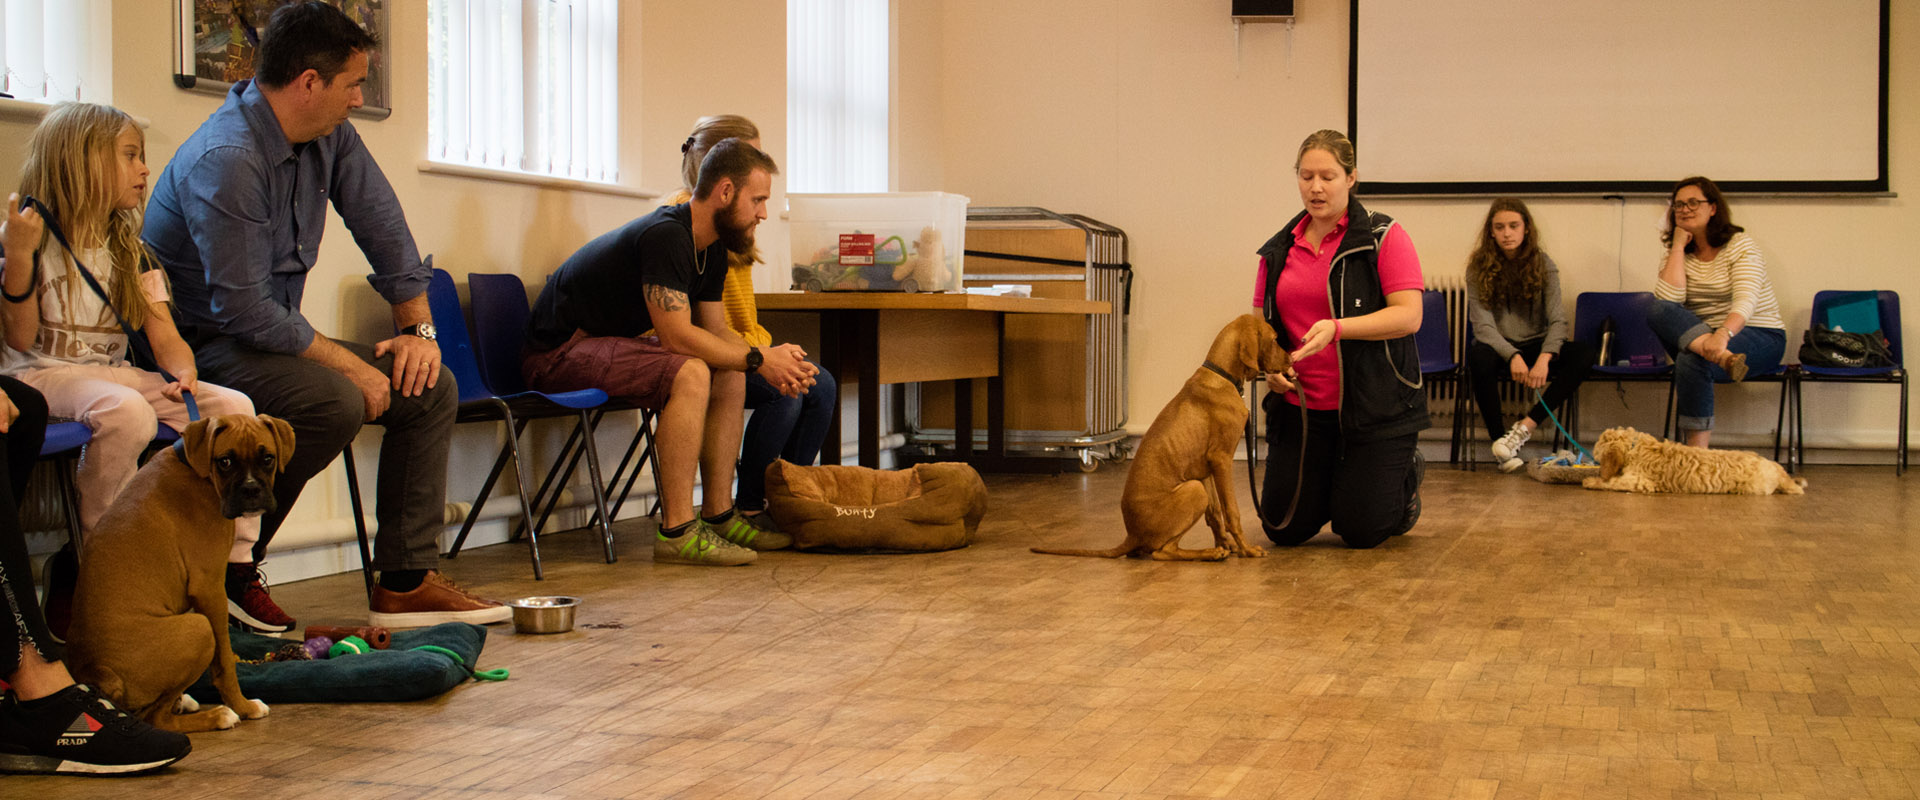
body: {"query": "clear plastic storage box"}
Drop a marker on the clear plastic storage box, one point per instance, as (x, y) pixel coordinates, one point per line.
(895, 242)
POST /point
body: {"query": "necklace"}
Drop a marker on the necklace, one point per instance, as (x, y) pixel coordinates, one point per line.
(699, 261)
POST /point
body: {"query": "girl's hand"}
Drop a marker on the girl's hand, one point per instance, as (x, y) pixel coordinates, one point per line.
(1282, 382)
(1517, 368)
(186, 380)
(22, 230)
(1537, 377)
(1316, 339)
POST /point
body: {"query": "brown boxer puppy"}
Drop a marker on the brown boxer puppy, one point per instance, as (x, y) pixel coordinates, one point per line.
(150, 613)
(1183, 467)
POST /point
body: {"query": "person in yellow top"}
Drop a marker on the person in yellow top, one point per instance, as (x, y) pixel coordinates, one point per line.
(780, 427)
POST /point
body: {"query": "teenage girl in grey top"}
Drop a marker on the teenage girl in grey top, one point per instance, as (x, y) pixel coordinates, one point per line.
(1519, 327)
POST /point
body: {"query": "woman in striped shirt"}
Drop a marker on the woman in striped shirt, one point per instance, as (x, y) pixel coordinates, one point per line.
(1716, 313)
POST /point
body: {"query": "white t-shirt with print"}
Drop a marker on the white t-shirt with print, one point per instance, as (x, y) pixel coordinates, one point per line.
(75, 325)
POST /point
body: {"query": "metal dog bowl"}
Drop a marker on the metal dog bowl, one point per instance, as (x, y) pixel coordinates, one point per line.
(553, 614)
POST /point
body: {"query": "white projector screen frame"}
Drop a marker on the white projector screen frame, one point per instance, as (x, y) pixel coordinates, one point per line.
(1528, 97)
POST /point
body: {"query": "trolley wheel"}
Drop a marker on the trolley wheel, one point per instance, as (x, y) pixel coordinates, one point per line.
(909, 286)
(1087, 462)
(813, 285)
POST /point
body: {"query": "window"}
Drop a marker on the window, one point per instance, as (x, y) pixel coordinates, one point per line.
(525, 85)
(838, 67)
(57, 50)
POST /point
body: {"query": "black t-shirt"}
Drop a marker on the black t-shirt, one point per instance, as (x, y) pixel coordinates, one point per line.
(600, 288)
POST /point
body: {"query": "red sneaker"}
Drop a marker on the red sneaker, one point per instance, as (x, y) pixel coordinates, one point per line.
(248, 604)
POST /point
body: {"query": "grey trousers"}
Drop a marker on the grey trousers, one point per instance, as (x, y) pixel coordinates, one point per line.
(326, 411)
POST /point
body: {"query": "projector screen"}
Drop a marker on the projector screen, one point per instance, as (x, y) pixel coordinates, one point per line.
(1528, 97)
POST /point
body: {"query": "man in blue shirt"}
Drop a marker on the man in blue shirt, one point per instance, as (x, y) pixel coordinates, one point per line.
(236, 218)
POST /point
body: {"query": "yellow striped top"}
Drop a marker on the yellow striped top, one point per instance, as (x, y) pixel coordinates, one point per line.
(1735, 281)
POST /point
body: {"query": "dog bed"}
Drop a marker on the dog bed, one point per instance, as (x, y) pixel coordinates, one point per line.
(397, 674)
(854, 509)
(1562, 467)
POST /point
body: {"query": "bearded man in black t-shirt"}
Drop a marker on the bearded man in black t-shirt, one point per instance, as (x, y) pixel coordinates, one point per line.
(664, 273)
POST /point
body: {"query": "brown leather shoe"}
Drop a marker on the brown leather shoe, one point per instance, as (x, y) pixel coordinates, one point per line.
(434, 601)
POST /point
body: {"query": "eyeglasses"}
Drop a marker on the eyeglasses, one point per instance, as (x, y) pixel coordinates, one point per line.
(1687, 205)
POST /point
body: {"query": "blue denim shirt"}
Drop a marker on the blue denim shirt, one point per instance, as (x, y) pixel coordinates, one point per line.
(237, 215)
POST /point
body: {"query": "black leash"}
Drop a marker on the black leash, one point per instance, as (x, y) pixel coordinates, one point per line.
(136, 339)
(1253, 457)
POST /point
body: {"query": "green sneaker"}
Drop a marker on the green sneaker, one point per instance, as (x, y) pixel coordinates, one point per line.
(700, 545)
(756, 532)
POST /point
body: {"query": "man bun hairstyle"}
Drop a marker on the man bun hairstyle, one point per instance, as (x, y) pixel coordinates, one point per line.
(731, 159)
(311, 35)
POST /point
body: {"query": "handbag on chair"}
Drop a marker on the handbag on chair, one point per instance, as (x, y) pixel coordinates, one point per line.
(1822, 346)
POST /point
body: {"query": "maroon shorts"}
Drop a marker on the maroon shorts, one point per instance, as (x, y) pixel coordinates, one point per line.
(637, 370)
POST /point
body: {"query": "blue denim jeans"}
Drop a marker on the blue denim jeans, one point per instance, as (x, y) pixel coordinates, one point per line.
(792, 428)
(1693, 376)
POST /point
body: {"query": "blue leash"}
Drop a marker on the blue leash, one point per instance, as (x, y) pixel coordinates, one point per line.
(1562, 428)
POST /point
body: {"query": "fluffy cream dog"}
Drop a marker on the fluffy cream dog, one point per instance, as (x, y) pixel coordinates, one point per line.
(1631, 461)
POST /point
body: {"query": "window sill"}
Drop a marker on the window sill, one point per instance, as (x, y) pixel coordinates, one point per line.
(508, 176)
(33, 111)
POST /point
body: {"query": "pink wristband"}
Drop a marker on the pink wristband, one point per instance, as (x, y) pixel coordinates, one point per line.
(1336, 329)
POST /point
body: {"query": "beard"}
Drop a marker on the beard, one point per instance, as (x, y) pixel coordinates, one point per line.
(736, 225)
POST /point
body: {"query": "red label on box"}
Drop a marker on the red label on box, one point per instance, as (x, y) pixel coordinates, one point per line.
(856, 249)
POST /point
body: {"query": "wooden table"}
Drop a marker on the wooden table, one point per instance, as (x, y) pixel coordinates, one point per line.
(877, 338)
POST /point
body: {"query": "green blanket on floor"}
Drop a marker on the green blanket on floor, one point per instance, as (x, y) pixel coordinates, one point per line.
(397, 674)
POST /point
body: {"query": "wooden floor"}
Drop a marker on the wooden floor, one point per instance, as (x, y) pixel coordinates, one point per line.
(1525, 641)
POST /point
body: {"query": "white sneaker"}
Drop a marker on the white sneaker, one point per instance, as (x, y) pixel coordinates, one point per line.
(1508, 446)
(1512, 464)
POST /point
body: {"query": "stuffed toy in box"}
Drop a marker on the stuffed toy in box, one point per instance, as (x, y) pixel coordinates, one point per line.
(926, 508)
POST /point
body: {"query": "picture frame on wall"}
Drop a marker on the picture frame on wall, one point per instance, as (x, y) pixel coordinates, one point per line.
(215, 42)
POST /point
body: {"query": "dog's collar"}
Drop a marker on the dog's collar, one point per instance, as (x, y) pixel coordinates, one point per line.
(1220, 372)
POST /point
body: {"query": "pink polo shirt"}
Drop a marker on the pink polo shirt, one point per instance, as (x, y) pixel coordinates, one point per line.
(1303, 298)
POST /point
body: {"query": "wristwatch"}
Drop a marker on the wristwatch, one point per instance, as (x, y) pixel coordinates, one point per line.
(423, 330)
(754, 359)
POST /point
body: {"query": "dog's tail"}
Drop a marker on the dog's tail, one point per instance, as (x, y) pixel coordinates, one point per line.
(1789, 482)
(1112, 552)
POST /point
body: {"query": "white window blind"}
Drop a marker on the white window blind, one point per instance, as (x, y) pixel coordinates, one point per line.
(525, 85)
(838, 67)
(57, 50)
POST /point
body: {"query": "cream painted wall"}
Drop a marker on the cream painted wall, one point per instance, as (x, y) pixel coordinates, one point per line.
(1146, 115)
(673, 70)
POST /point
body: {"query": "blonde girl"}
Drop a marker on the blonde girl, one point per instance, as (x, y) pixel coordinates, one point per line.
(86, 163)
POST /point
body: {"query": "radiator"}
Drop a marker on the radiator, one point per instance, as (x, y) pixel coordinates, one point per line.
(1515, 399)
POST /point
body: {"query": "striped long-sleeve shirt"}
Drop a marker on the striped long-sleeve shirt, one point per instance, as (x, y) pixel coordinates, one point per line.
(1734, 282)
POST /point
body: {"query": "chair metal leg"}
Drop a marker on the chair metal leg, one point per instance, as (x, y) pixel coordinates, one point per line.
(599, 494)
(1798, 453)
(359, 521)
(614, 490)
(486, 491)
(1900, 460)
(547, 497)
(1780, 419)
(1668, 425)
(515, 427)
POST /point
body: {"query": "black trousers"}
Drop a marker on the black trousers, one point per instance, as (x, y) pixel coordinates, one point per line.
(1564, 374)
(1363, 488)
(23, 624)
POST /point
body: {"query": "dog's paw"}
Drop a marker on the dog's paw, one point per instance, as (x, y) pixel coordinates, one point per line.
(186, 705)
(224, 718)
(259, 710)
(1214, 554)
(1252, 551)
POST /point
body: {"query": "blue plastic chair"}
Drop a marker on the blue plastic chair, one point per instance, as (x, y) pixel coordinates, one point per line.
(480, 401)
(63, 443)
(1889, 308)
(1631, 337)
(500, 304)
(1438, 362)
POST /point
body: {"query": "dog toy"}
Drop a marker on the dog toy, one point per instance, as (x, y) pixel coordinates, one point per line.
(350, 646)
(478, 675)
(291, 651)
(317, 647)
(374, 635)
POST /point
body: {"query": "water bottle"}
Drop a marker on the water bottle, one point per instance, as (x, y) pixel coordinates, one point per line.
(1606, 342)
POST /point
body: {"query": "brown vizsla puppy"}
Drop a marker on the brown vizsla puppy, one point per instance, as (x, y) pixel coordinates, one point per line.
(1183, 467)
(150, 612)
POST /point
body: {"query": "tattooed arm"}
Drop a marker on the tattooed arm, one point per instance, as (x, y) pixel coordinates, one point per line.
(713, 341)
